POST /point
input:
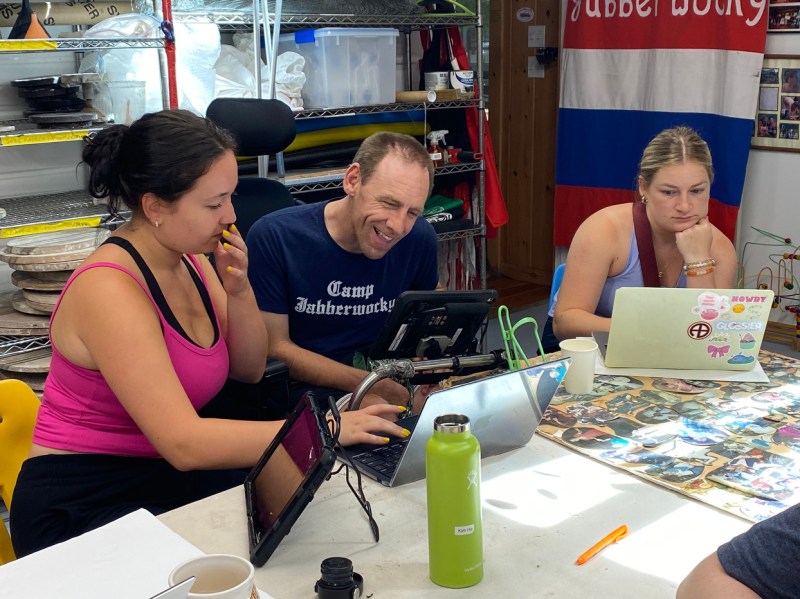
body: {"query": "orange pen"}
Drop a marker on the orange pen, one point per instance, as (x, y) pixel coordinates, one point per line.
(607, 540)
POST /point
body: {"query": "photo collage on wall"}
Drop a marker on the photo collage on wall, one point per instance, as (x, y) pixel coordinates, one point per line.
(784, 15)
(777, 122)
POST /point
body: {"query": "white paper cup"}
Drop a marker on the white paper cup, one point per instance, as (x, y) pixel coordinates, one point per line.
(580, 376)
(217, 576)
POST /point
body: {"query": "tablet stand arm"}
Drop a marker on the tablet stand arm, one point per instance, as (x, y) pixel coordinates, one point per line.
(403, 370)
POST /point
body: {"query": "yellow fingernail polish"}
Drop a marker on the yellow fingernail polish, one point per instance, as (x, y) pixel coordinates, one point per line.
(234, 229)
(385, 439)
(227, 246)
(406, 432)
(226, 233)
(229, 269)
(401, 408)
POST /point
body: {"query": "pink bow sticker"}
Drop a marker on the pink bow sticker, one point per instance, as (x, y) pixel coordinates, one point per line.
(718, 351)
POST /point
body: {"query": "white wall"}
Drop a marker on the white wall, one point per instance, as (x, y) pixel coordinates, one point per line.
(770, 200)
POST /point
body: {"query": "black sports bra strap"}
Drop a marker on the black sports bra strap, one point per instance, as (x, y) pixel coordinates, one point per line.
(149, 278)
(158, 295)
(198, 281)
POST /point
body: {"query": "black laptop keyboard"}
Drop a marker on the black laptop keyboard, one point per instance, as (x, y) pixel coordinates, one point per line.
(384, 458)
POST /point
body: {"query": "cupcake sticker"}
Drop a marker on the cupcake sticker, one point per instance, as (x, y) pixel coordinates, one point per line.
(747, 341)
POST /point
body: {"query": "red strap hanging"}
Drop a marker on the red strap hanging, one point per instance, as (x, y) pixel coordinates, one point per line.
(494, 202)
(169, 49)
(644, 241)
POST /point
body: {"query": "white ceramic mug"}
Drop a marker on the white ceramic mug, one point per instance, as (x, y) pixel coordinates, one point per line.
(580, 376)
(217, 576)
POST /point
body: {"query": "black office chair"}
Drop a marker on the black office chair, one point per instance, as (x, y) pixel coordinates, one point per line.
(261, 127)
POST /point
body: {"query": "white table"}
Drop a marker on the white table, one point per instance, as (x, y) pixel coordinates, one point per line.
(543, 505)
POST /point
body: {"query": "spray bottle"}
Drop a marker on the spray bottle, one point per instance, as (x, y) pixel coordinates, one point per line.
(438, 155)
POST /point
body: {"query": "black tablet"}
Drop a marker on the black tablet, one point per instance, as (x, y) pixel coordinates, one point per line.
(433, 324)
(286, 477)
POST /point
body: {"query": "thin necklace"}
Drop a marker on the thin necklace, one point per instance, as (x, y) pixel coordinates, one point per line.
(666, 266)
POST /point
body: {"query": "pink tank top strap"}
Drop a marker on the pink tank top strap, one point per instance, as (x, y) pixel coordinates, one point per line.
(83, 269)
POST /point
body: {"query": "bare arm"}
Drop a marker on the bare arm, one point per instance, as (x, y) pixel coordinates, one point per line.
(240, 318)
(709, 580)
(315, 369)
(701, 242)
(593, 254)
(127, 346)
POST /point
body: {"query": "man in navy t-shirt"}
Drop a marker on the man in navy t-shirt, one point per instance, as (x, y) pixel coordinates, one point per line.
(761, 562)
(326, 275)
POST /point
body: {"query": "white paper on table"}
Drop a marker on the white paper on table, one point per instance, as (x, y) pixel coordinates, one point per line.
(128, 558)
(756, 375)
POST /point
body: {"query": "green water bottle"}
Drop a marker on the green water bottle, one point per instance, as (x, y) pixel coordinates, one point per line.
(453, 478)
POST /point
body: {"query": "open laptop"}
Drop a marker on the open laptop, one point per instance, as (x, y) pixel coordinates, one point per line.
(687, 329)
(433, 324)
(504, 411)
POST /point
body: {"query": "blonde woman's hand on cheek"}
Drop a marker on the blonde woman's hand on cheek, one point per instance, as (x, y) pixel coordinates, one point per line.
(231, 259)
(371, 424)
(694, 243)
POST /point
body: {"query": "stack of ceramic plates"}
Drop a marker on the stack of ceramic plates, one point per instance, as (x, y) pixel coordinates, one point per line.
(29, 366)
(42, 265)
(46, 94)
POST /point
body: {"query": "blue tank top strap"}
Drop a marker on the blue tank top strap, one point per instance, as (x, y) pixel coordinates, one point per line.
(631, 276)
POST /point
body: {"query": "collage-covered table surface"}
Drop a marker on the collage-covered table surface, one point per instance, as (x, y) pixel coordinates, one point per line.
(733, 445)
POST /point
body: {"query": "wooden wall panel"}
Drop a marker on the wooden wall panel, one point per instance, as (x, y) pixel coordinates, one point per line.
(522, 113)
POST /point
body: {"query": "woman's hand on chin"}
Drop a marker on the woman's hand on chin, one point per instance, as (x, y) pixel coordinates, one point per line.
(694, 243)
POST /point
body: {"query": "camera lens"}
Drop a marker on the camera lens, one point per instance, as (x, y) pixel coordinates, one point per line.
(337, 571)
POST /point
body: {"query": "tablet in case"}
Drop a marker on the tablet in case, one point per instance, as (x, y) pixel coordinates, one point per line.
(286, 477)
(433, 324)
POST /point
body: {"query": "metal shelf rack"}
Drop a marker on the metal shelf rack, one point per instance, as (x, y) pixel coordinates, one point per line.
(54, 211)
(234, 21)
(77, 44)
(377, 108)
(12, 345)
(305, 182)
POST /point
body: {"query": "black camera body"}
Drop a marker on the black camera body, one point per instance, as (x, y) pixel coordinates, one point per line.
(338, 580)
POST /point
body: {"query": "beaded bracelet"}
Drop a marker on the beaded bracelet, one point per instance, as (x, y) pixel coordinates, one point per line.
(700, 264)
(699, 272)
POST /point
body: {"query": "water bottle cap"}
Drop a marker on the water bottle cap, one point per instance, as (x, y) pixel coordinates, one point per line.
(451, 423)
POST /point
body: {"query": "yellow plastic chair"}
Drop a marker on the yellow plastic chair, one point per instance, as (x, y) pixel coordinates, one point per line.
(18, 408)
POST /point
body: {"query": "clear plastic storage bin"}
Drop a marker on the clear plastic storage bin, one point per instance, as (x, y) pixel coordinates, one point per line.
(345, 66)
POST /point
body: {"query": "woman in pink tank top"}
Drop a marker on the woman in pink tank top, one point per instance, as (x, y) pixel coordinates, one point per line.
(145, 333)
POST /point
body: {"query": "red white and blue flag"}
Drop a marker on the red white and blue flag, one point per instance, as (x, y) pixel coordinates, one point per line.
(631, 68)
